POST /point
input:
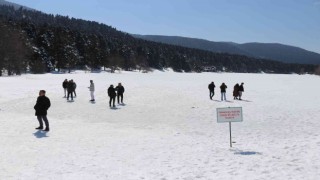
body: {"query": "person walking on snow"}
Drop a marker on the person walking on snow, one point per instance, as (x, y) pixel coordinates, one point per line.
(223, 88)
(65, 86)
(211, 89)
(91, 89)
(120, 91)
(241, 90)
(112, 95)
(41, 107)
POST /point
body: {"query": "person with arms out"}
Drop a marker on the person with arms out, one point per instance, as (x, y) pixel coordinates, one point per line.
(120, 91)
(91, 89)
(65, 86)
(211, 90)
(241, 90)
(112, 95)
(223, 88)
(41, 107)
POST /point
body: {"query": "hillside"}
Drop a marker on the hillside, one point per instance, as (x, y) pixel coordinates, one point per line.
(32, 41)
(16, 6)
(274, 51)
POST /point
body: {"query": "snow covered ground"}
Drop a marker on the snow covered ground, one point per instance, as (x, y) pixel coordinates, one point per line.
(167, 130)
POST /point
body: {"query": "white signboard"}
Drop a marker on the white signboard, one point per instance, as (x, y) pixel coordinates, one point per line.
(231, 114)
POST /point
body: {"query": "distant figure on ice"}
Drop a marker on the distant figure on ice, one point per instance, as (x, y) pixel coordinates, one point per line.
(70, 89)
(91, 89)
(65, 86)
(41, 107)
(223, 88)
(241, 90)
(75, 87)
(236, 91)
(211, 89)
(120, 91)
(112, 95)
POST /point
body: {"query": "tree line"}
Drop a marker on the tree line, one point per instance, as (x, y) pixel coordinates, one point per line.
(32, 41)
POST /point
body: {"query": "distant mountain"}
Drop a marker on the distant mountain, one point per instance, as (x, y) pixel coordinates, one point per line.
(16, 6)
(273, 51)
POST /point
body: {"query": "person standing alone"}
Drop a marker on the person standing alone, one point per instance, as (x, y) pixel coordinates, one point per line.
(41, 107)
(211, 89)
(223, 88)
(120, 91)
(91, 89)
(112, 95)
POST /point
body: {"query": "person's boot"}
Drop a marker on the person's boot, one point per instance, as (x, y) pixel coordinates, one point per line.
(40, 127)
(46, 129)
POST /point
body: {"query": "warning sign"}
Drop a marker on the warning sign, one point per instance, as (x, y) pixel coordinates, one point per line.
(231, 114)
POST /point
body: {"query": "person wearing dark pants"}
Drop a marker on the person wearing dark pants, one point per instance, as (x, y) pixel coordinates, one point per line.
(211, 90)
(41, 107)
(65, 86)
(112, 96)
(120, 91)
(71, 89)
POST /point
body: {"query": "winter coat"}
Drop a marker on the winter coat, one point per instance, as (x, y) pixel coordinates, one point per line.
(223, 88)
(65, 84)
(241, 88)
(42, 105)
(120, 89)
(71, 86)
(236, 90)
(111, 92)
(91, 88)
(211, 87)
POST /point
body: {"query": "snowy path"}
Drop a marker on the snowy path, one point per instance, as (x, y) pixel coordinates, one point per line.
(166, 130)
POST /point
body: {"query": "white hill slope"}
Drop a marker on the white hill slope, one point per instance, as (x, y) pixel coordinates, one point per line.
(166, 130)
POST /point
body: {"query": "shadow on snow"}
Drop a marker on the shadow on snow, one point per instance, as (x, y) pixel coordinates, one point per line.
(40, 134)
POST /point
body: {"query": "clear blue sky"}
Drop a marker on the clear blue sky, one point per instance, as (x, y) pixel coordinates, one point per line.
(292, 22)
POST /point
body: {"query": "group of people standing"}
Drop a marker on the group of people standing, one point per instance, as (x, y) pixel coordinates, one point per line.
(43, 102)
(69, 89)
(113, 92)
(237, 91)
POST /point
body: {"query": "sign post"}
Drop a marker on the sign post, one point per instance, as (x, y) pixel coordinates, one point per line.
(230, 114)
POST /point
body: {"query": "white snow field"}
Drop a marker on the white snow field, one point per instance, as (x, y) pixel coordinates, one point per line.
(167, 130)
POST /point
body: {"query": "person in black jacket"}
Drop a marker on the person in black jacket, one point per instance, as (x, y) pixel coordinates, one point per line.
(41, 107)
(236, 91)
(70, 89)
(241, 90)
(112, 95)
(65, 86)
(211, 89)
(223, 88)
(120, 91)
